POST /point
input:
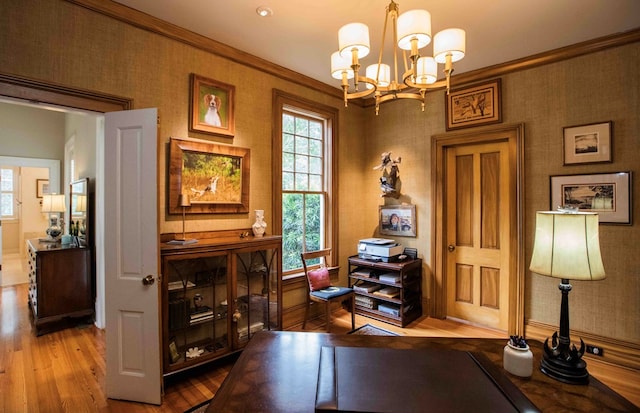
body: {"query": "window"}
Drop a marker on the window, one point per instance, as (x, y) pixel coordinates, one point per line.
(8, 191)
(305, 197)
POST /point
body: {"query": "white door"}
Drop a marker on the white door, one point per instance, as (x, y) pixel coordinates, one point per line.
(131, 256)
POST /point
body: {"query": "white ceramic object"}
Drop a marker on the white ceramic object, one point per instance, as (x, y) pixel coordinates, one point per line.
(259, 227)
(518, 360)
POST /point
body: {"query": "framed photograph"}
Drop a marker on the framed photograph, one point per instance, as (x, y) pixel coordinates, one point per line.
(398, 220)
(215, 177)
(42, 187)
(587, 143)
(211, 106)
(608, 194)
(173, 351)
(474, 105)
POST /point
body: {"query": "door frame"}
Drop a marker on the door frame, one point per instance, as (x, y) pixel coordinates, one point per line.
(514, 135)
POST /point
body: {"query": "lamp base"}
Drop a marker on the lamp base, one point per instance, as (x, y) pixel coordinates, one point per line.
(184, 241)
(563, 363)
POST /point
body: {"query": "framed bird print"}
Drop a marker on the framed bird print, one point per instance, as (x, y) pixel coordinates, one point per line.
(214, 177)
(211, 106)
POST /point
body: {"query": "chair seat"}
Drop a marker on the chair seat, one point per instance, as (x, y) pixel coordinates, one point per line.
(331, 292)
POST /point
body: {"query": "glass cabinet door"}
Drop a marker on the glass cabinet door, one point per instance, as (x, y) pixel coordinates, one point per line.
(197, 299)
(256, 293)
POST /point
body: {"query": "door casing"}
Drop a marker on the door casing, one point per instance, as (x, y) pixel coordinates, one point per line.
(514, 135)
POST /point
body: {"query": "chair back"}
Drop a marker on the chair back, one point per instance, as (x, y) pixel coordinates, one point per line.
(310, 255)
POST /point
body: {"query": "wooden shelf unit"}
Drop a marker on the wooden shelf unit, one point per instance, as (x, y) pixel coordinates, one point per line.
(238, 284)
(408, 301)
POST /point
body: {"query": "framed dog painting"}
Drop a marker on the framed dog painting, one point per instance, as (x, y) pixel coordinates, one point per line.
(211, 106)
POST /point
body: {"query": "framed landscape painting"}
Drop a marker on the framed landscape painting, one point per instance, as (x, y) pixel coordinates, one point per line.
(587, 143)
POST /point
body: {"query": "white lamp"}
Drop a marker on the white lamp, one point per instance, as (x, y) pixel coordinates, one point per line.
(567, 247)
(54, 204)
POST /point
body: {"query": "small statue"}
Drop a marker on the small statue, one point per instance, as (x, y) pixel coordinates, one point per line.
(390, 173)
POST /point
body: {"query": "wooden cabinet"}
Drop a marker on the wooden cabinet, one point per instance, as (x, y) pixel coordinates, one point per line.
(387, 291)
(60, 284)
(216, 294)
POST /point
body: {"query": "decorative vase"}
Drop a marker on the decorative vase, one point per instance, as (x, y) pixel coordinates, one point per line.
(518, 360)
(259, 227)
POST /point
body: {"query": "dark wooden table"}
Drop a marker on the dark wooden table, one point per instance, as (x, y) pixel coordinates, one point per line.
(278, 372)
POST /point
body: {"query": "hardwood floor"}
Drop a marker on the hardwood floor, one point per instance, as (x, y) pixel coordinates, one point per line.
(64, 371)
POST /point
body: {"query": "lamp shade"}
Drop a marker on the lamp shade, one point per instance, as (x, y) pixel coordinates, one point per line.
(353, 36)
(449, 41)
(383, 78)
(185, 200)
(81, 203)
(567, 246)
(53, 203)
(414, 24)
(426, 71)
(340, 65)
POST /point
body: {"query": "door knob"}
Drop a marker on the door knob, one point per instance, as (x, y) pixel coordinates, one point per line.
(148, 280)
(451, 248)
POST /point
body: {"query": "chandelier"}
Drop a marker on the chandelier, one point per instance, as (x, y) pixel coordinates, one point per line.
(411, 32)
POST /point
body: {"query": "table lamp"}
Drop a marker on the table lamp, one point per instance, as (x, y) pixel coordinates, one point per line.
(567, 247)
(185, 202)
(54, 204)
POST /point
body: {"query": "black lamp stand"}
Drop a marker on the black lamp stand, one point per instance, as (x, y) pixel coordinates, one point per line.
(563, 361)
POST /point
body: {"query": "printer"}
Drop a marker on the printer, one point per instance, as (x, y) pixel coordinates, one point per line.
(379, 249)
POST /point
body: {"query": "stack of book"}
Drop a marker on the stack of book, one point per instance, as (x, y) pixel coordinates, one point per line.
(362, 272)
(200, 314)
(366, 287)
(390, 277)
(365, 302)
(177, 313)
(388, 292)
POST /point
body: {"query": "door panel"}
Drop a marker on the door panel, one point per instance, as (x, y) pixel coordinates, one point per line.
(478, 228)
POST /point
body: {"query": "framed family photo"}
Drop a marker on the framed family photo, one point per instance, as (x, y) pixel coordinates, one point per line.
(398, 220)
(215, 177)
(608, 194)
(587, 143)
(211, 106)
(474, 105)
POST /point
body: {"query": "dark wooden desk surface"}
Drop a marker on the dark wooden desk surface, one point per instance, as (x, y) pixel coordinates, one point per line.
(278, 372)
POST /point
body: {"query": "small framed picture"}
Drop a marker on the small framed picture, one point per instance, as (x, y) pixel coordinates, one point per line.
(474, 105)
(398, 220)
(42, 187)
(608, 194)
(587, 143)
(211, 106)
(173, 351)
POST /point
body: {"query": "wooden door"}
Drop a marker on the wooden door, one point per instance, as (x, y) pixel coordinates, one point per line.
(131, 256)
(478, 198)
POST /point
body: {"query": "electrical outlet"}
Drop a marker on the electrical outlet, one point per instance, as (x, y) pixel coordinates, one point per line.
(595, 350)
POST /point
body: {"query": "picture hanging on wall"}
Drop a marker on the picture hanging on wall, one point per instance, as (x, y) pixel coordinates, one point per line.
(211, 106)
(475, 105)
(215, 177)
(398, 220)
(587, 143)
(42, 187)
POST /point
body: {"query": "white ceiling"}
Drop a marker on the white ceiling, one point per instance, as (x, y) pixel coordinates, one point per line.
(302, 34)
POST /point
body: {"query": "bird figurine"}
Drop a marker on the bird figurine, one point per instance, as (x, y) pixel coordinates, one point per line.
(390, 173)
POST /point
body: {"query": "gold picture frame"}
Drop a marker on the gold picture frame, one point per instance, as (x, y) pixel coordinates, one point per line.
(587, 143)
(211, 106)
(216, 177)
(474, 105)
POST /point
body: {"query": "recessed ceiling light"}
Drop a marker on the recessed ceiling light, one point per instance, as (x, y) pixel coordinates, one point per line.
(264, 11)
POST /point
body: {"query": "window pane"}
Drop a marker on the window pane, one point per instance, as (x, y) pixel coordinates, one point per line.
(292, 231)
(302, 182)
(6, 205)
(315, 165)
(7, 180)
(302, 127)
(315, 183)
(302, 163)
(313, 222)
(287, 162)
(287, 143)
(302, 145)
(315, 130)
(288, 123)
(315, 147)
(287, 181)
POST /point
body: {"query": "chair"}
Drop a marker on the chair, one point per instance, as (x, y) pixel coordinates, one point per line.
(320, 290)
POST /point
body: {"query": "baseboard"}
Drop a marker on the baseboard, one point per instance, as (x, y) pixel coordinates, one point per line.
(617, 352)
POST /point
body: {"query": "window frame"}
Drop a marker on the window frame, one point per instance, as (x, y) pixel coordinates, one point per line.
(285, 102)
(14, 192)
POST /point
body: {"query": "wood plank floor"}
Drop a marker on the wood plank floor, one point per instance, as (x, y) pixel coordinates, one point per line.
(64, 371)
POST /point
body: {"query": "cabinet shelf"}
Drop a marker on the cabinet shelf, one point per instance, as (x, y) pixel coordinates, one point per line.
(402, 308)
(238, 284)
